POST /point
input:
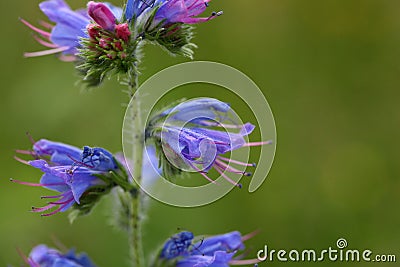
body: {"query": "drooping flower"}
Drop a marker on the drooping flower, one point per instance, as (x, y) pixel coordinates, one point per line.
(43, 256)
(64, 35)
(80, 176)
(215, 251)
(194, 136)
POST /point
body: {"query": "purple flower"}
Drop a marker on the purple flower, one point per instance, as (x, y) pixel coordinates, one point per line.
(102, 15)
(191, 138)
(183, 11)
(43, 256)
(69, 171)
(63, 37)
(214, 251)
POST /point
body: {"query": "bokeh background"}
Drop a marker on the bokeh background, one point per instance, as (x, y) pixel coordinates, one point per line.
(330, 71)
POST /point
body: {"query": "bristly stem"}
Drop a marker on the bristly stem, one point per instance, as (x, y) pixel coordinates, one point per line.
(136, 216)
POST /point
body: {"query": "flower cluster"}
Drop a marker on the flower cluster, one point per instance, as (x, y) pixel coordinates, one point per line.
(214, 251)
(105, 38)
(80, 176)
(193, 136)
(43, 256)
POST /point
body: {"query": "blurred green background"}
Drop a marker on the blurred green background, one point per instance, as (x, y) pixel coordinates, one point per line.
(329, 70)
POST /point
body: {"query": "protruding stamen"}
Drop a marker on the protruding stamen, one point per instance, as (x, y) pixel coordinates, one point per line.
(53, 212)
(67, 58)
(250, 235)
(203, 173)
(62, 202)
(47, 197)
(41, 32)
(24, 152)
(236, 162)
(47, 207)
(218, 124)
(21, 160)
(46, 24)
(217, 168)
(259, 143)
(244, 262)
(34, 184)
(46, 52)
(228, 168)
(44, 43)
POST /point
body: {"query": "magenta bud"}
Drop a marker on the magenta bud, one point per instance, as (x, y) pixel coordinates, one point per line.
(102, 15)
(93, 30)
(123, 32)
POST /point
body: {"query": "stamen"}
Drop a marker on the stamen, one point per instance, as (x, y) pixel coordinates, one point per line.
(53, 212)
(46, 52)
(203, 174)
(24, 152)
(228, 168)
(21, 160)
(217, 124)
(34, 184)
(62, 202)
(47, 207)
(258, 143)
(244, 262)
(46, 24)
(47, 197)
(44, 43)
(226, 177)
(250, 235)
(236, 162)
(208, 178)
(68, 58)
(41, 32)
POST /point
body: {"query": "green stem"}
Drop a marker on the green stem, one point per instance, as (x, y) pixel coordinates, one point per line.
(136, 217)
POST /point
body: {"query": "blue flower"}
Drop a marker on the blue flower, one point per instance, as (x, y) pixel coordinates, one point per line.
(196, 134)
(214, 251)
(69, 171)
(64, 36)
(135, 8)
(183, 11)
(43, 256)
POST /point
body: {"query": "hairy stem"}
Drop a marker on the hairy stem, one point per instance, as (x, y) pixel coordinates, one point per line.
(136, 216)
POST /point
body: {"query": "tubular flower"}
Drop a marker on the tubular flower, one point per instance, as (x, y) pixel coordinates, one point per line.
(191, 139)
(183, 11)
(78, 175)
(43, 256)
(214, 251)
(64, 35)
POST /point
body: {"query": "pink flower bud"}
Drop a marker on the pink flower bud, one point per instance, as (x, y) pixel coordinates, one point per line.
(93, 30)
(102, 15)
(123, 32)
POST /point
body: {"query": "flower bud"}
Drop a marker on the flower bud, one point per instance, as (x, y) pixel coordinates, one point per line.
(102, 15)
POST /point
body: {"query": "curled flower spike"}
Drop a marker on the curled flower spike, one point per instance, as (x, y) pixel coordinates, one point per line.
(64, 35)
(43, 256)
(215, 251)
(194, 136)
(79, 176)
